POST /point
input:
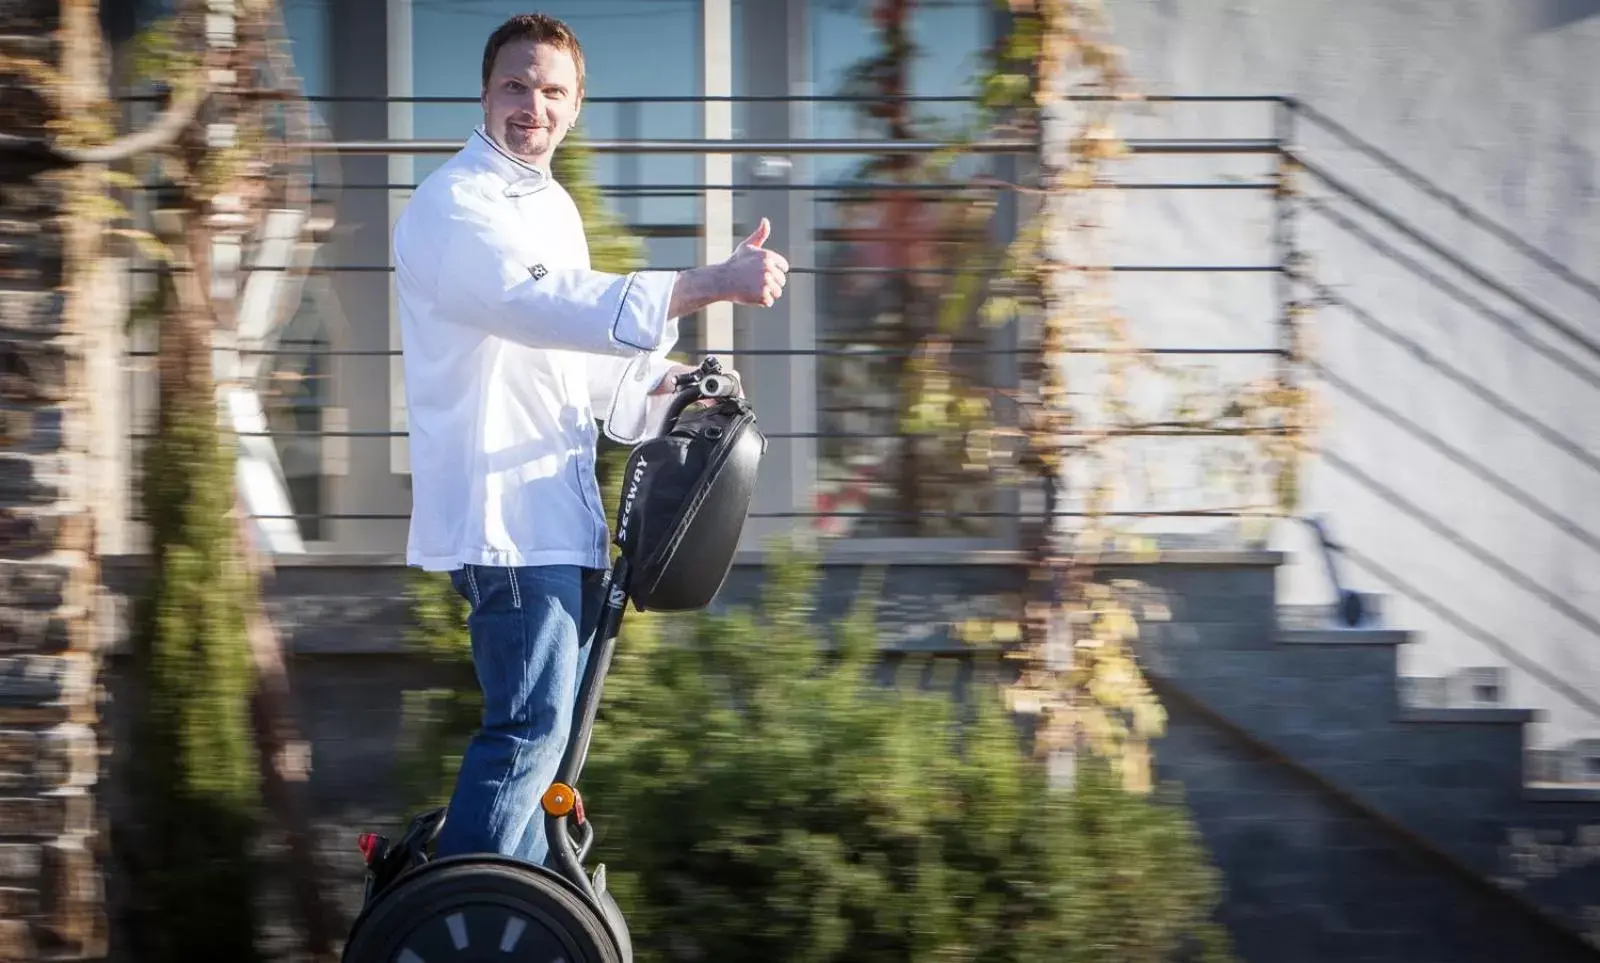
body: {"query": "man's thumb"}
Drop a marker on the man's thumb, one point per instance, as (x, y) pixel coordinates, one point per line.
(758, 237)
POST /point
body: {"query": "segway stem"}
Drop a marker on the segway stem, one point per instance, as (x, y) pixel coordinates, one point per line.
(401, 878)
(567, 854)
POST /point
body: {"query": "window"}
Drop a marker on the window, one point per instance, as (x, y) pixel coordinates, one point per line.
(642, 77)
(885, 260)
(447, 56)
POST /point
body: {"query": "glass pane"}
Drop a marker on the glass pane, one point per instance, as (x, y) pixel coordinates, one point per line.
(885, 263)
(306, 23)
(626, 95)
(295, 390)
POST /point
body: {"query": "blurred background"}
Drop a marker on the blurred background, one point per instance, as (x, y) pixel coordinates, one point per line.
(1412, 189)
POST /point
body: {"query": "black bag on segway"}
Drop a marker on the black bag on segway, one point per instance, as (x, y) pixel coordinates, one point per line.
(685, 497)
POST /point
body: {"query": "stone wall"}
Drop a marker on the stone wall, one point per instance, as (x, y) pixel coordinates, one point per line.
(50, 883)
(1313, 880)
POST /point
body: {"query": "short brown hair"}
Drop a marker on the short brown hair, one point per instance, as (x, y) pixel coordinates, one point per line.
(539, 28)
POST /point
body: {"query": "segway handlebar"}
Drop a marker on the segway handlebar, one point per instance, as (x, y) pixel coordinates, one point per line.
(706, 381)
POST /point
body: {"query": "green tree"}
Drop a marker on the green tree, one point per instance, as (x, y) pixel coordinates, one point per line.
(196, 769)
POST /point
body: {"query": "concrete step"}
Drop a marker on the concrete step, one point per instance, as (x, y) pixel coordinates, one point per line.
(1326, 614)
(1337, 636)
(1314, 863)
(1330, 700)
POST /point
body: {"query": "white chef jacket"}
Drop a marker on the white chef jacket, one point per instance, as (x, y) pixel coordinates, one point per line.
(512, 348)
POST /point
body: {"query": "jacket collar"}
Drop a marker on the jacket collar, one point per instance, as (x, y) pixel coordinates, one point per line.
(521, 178)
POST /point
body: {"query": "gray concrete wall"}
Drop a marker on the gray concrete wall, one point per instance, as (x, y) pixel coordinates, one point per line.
(1491, 429)
(1308, 879)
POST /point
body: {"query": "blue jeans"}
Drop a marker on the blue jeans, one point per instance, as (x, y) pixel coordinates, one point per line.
(531, 630)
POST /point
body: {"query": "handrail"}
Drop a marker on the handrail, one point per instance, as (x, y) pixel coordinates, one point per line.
(1349, 606)
(1477, 302)
(1476, 551)
(589, 99)
(1394, 166)
(1511, 653)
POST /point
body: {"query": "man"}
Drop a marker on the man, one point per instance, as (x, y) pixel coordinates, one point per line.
(512, 348)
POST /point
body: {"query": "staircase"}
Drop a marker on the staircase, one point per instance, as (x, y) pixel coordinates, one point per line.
(1348, 824)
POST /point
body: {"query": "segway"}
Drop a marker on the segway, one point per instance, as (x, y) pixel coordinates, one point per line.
(686, 496)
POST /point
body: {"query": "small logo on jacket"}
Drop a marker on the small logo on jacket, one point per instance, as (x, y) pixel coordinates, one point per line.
(538, 271)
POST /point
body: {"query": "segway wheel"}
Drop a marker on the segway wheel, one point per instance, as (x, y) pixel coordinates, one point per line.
(472, 910)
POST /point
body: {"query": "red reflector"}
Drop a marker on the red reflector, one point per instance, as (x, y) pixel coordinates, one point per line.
(368, 843)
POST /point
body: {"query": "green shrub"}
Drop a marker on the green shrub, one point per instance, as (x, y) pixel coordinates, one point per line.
(759, 796)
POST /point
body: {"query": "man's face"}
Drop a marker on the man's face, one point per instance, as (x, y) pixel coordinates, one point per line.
(531, 101)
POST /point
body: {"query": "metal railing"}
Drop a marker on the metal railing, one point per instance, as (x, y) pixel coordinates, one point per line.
(1242, 146)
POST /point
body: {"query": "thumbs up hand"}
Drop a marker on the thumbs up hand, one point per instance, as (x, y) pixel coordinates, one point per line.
(756, 275)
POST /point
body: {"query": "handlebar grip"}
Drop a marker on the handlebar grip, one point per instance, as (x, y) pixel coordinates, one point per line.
(717, 386)
(683, 399)
(709, 381)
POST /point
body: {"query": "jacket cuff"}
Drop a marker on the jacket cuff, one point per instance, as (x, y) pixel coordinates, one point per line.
(641, 321)
(635, 414)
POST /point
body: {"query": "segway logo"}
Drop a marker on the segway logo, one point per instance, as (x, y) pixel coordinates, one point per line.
(617, 598)
(627, 501)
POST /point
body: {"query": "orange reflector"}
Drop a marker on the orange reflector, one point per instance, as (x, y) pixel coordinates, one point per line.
(559, 799)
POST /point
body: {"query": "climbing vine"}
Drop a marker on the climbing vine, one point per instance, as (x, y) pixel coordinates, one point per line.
(1066, 436)
(1060, 80)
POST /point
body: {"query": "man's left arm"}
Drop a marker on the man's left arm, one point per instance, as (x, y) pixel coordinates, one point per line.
(621, 391)
(631, 401)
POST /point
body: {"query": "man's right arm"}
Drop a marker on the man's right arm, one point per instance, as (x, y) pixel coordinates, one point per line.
(697, 288)
(483, 281)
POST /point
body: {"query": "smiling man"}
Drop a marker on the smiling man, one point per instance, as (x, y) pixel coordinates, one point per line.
(513, 348)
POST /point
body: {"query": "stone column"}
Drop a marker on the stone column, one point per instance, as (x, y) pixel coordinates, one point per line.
(50, 886)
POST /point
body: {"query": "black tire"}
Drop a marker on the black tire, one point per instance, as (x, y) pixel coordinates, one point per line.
(465, 910)
(613, 915)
